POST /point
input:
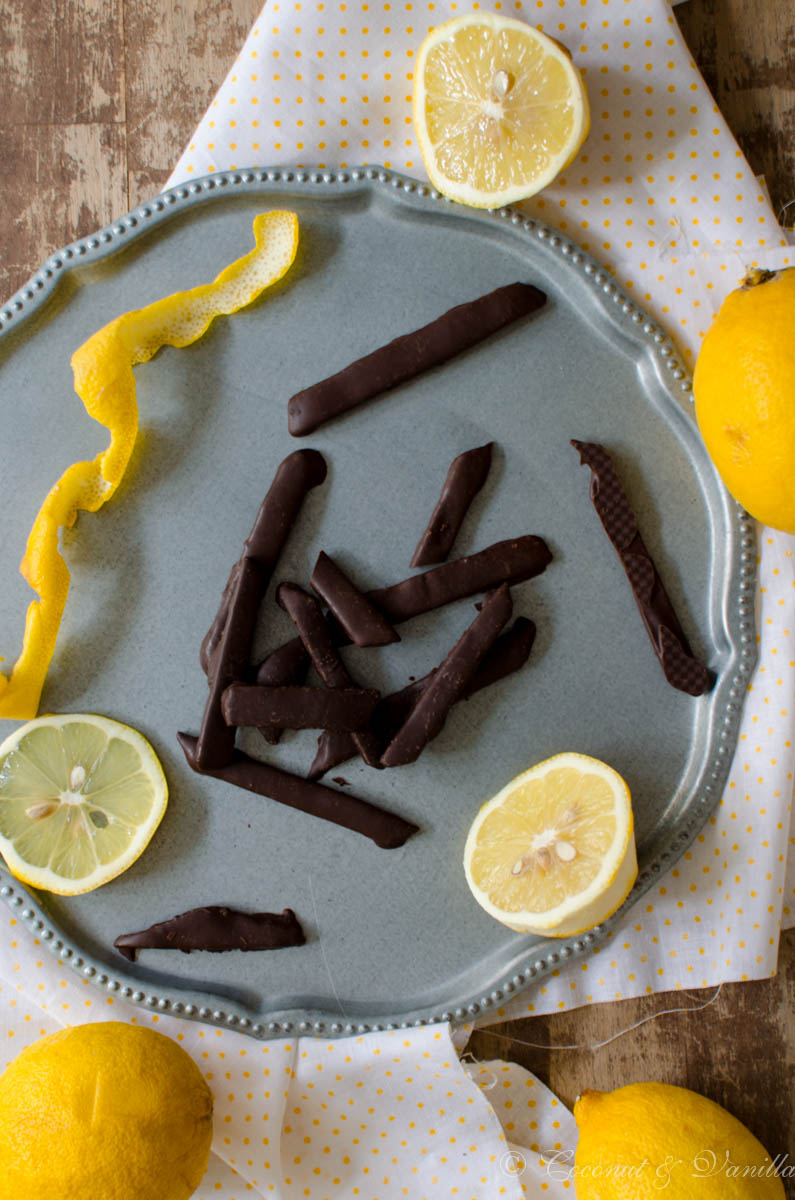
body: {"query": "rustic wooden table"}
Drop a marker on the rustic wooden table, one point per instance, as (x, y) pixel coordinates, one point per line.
(97, 100)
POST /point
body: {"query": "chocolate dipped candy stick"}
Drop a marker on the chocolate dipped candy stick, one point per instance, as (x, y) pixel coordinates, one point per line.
(410, 355)
(511, 561)
(334, 748)
(681, 669)
(295, 477)
(298, 707)
(384, 828)
(466, 476)
(213, 635)
(286, 666)
(307, 615)
(508, 654)
(357, 615)
(449, 681)
(216, 929)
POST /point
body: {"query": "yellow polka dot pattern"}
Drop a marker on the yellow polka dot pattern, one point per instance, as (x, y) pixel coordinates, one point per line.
(540, 1131)
(660, 192)
(380, 1117)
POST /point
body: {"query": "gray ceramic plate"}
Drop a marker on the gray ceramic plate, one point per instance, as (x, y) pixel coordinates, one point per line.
(394, 937)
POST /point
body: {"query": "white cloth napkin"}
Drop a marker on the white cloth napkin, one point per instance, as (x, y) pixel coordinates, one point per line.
(660, 193)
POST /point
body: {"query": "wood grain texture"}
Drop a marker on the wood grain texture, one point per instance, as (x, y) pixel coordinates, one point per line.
(97, 100)
(740, 1051)
(63, 62)
(745, 50)
(51, 191)
(178, 55)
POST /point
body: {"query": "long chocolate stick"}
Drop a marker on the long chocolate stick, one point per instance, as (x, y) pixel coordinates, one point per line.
(287, 666)
(681, 669)
(410, 355)
(508, 654)
(213, 635)
(295, 477)
(466, 476)
(450, 681)
(298, 707)
(511, 561)
(386, 829)
(357, 615)
(306, 614)
(216, 929)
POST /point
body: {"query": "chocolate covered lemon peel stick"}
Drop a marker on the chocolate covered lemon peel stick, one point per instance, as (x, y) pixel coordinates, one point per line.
(306, 614)
(344, 709)
(216, 929)
(450, 681)
(681, 669)
(356, 613)
(511, 561)
(468, 472)
(229, 662)
(508, 654)
(410, 355)
(384, 828)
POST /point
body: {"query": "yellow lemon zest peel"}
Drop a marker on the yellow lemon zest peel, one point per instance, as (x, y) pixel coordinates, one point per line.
(104, 381)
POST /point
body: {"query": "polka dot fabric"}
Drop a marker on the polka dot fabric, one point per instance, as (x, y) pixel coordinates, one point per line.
(379, 1117)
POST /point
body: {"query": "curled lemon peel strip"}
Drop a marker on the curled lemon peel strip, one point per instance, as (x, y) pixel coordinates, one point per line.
(104, 381)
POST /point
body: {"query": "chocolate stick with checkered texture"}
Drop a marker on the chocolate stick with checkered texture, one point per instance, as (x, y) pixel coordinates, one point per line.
(682, 670)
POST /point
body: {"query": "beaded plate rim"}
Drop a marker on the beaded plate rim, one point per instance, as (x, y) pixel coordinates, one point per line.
(634, 322)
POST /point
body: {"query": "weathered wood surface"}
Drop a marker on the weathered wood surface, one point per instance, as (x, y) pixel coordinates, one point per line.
(745, 50)
(97, 100)
(740, 1051)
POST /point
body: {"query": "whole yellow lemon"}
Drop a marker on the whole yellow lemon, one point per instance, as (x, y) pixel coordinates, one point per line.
(654, 1139)
(744, 387)
(103, 1112)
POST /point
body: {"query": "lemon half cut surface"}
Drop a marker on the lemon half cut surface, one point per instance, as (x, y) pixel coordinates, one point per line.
(499, 109)
(554, 852)
(80, 797)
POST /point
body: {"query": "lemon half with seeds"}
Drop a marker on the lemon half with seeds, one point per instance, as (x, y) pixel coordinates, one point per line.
(80, 797)
(554, 852)
(499, 109)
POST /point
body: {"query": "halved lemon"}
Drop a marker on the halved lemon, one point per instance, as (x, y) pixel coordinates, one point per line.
(80, 797)
(554, 852)
(499, 109)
